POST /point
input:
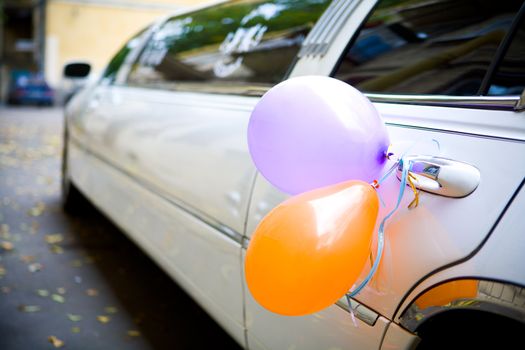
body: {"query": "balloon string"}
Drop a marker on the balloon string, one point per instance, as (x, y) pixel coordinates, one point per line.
(375, 184)
(415, 201)
(381, 231)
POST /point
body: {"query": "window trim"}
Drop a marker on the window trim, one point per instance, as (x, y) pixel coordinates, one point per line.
(507, 103)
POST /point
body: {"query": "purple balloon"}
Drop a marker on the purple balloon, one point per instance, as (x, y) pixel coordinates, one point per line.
(314, 131)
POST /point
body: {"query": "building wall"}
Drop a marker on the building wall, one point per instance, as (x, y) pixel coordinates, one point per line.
(94, 30)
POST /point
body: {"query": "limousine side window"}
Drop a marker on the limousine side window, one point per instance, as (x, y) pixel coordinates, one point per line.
(238, 43)
(427, 47)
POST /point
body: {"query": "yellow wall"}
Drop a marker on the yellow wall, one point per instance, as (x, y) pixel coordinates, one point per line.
(93, 31)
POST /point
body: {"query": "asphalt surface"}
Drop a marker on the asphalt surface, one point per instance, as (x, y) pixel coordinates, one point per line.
(77, 282)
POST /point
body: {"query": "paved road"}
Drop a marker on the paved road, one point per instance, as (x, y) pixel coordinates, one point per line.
(77, 282)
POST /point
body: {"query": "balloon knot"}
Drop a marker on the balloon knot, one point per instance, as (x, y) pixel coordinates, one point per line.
(388, 152)
(375, 184)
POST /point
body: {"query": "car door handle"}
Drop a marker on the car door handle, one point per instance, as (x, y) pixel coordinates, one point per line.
(442, 176)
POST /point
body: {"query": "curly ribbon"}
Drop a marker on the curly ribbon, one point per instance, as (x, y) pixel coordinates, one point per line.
(415, 201)
(381, 232)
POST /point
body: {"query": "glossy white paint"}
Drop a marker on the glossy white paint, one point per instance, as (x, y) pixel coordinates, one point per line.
(496, 260)
(191, 147)
(201, 259)
(183, 148)
(396, 338)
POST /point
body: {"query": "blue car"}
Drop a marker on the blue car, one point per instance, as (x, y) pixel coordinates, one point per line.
(30, 89)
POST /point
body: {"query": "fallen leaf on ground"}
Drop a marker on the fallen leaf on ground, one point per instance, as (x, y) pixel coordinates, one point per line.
(103, 319)
(76, 263)
(133, 333)
(27, 258)
(7, 245)
(34, 227)
(90, 259)
(34, 267)
(56, 249)
(74, 318)
(92, 292)
(57, 343)
(37, 210)
(110, 309)
(138, 320)
(75, 329)
(29, 308)
(42, 292)
(54, 238)
(58, 298)
(4, 229)
(61, 290)
(44, 180)
(2, 271)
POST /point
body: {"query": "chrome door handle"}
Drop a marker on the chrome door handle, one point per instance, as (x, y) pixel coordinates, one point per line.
(442, 176)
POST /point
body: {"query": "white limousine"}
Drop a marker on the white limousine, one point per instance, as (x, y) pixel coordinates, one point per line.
(160, 145)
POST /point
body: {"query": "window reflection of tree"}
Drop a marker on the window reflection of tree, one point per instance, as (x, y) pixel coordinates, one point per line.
(196, 44)
(197, 65)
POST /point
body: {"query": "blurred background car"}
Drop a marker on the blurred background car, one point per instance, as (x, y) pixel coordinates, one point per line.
(27, 88)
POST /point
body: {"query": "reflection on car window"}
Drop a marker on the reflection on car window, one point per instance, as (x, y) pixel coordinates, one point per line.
(509, 77)
(246, 41)
(116, 62)
(427, 47)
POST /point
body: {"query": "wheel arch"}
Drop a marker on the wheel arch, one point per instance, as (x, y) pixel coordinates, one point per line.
(487, 309)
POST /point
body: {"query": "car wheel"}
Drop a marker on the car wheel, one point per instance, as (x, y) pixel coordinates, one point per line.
(469, 329)
(72, 199)
(12, 101)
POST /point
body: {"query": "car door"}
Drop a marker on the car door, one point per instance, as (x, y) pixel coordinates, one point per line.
(445, 79)
(175, 128)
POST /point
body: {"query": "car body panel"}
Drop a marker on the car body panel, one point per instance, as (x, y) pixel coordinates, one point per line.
(495, 260)
(397, 338)
(169, 234)
(174, 141)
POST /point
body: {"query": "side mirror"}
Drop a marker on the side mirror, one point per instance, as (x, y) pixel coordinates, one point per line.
(77, 70)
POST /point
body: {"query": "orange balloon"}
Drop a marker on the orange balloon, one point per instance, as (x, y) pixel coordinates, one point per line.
(308, 251)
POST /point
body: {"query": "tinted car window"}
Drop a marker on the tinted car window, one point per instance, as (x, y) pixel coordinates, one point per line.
(247, 41)
(427, 47)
